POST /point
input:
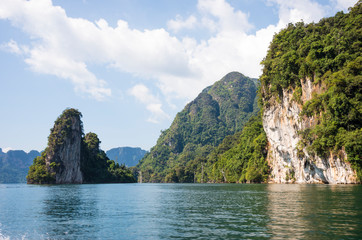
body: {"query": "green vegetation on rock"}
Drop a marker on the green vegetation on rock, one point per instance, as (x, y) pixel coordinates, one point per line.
(328, 53)
(62, 129)
(39, 173)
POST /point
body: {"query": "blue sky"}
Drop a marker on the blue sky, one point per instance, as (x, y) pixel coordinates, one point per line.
(128, 65)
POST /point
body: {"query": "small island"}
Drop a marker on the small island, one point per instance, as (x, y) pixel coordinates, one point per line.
(72, 157)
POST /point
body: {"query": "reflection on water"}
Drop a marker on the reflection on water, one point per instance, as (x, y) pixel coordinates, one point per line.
(315, 211)
(184, 211)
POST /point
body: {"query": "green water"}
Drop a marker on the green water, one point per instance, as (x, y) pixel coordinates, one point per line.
(180, 211)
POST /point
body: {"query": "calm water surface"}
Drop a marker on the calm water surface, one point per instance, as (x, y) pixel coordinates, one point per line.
(182, 211)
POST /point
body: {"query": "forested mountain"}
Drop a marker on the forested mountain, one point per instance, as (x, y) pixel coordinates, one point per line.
(220, 110)
(14, 165)
(128, 156)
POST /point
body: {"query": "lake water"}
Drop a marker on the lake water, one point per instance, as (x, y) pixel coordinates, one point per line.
(180, 211)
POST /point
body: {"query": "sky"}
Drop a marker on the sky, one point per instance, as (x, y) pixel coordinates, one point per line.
(128, 65)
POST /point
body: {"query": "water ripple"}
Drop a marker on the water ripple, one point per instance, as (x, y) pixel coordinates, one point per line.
(180, 211)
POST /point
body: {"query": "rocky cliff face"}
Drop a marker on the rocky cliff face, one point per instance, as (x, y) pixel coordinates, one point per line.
(67, 155)
(281, 122)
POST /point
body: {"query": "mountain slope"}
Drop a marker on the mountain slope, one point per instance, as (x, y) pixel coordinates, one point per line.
(128, 156)
(219, 110)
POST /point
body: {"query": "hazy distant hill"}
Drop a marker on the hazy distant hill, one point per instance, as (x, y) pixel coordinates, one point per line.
(14, 165)
(127, 155)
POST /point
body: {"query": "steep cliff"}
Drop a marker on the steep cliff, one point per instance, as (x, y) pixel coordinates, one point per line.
(312, 97)
(64, 147)
(291, 163)
(60, 162)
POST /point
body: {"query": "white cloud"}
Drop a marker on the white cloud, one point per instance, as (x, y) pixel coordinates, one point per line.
(345, 4)
(153, 104)
(296, 11)
(48, 62)
(180, 66)
(61, 46)
(227, 18)
(12, 47)
(215, 15)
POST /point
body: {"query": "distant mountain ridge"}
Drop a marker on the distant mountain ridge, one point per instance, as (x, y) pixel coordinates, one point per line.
(129, 156)
(14, 165)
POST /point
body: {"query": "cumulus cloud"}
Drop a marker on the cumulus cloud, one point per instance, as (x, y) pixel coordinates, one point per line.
(227, 18)
(301, 10)
(215, 15)
(153, 104)
(61, 46)
(180, 66)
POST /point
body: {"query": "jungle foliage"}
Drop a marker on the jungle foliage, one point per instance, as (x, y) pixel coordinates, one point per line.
(241, 157)
(39, 173)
